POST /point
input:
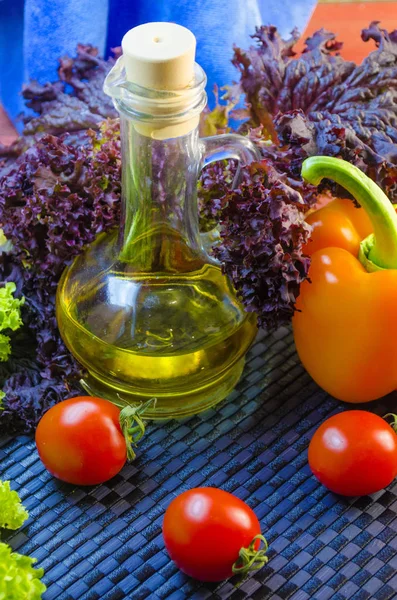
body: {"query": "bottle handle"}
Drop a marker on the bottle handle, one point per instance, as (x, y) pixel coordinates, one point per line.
(227, 146)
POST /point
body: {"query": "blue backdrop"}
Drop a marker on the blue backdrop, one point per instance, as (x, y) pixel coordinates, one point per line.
(34, 33)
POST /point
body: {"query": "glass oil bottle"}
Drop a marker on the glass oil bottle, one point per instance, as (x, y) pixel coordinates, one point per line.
(144, 309)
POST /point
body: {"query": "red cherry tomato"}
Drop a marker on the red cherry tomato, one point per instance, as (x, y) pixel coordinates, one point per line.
(204, 530)
(354, 453)
(80, 441)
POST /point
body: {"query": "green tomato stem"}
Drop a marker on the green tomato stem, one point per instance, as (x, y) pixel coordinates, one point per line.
(381, 248)
(250, 559)
(393, 424)
(132, 425)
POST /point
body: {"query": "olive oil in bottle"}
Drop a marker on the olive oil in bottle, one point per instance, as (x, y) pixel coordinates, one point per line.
(144, 309)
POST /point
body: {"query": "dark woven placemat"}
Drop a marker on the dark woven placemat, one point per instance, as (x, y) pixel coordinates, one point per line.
(105, 542)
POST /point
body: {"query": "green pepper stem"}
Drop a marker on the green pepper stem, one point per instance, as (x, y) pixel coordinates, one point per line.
(132, 425)
(383, 250)
(250, 559)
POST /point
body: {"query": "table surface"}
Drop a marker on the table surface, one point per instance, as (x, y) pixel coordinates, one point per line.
(105, 543)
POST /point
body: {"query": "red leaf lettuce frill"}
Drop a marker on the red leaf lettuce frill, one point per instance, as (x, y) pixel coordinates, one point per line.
(54, 200)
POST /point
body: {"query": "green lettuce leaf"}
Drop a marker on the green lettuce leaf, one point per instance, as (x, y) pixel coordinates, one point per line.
(10, 316)
(18, 579)
(12, 513)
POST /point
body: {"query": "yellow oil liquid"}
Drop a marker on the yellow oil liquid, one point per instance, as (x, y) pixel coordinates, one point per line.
(178, 337)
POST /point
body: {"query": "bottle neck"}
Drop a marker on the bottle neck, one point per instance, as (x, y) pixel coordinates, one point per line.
(159, 225)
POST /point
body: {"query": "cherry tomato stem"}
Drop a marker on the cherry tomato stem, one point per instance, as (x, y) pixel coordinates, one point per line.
(251, 559)
(393, 424)
(132, 426)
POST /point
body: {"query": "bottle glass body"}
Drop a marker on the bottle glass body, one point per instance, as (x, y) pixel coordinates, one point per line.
(144, 309)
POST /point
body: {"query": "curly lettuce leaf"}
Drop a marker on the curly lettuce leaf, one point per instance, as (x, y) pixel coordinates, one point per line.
(5, 347)
(84, 108)
(10, 316)
(12, 513)
(262, 238)
(18, 579)
(320, 104)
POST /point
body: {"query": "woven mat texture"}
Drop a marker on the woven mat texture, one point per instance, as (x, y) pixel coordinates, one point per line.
(105, 542)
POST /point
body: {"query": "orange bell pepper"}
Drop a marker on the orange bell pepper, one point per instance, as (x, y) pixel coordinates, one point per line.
(339, 224)
(345, 327)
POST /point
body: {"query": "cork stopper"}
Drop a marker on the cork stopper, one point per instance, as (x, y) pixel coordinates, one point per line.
(159, 56)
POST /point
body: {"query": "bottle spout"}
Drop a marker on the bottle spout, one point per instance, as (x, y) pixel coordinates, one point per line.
(116, 83)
